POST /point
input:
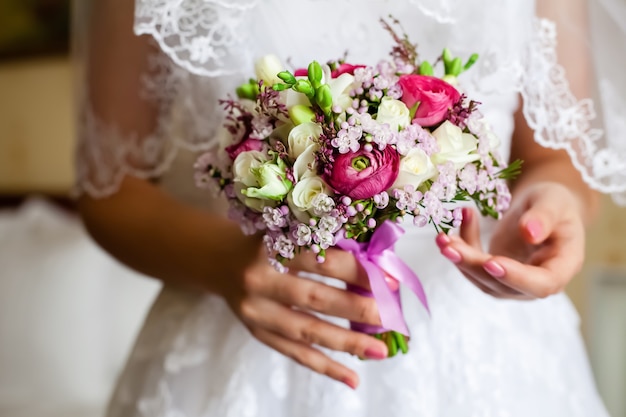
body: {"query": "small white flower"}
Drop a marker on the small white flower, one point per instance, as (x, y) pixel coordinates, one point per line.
(329, 223)
(303, 235)
(324, 238)
(322, 204)
(284, 246)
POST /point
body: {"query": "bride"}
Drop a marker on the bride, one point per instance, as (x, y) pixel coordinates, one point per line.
(230, 336)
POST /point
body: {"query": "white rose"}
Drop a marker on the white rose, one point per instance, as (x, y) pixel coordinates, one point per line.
(245, 164)
(393, 112)
(415, 168)
(267, 68)
(454, 145)
(340, 88)
(301, 198)
(301, 137)
(272, 181)
(305, 163)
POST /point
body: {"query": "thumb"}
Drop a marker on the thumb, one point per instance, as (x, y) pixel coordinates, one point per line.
(538, 222)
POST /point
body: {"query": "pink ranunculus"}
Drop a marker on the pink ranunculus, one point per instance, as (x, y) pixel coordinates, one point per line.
(363, 174)
(245, 145)
(341, 69)
(435, 96)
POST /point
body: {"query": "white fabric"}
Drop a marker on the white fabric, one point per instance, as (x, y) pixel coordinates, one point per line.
(476, 356)
(68, 315)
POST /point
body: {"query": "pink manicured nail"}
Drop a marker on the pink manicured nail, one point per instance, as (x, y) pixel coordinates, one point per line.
(375, 353)
(452, 255)
(534, 228)
(349, 382)
(392, 283)
(494, 269)
(467, 214)
(442, 239)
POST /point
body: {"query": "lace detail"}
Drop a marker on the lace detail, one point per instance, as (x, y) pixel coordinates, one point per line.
(560, 120)
(205, 37)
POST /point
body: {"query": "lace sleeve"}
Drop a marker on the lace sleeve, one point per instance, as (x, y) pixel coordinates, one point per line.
(136, 107)
(573, 89)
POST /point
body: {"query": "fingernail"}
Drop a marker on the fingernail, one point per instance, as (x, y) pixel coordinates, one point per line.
(375, 353)
(392, 283)
(467, 214)
(349, 382)
(452, 255)
(534, 228)
(494, 269)
(442, 239)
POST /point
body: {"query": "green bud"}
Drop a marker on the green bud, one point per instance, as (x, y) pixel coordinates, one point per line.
(287, 77)
(249, 90)
(426, 69)
(315, 74)
(324, 98)
(280, 87)
(447, 59)
(304, 87)
(301, 114)
(456, 67)
(471, 61)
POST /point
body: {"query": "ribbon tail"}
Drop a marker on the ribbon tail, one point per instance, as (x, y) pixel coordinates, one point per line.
(394, 266)
(390, 310)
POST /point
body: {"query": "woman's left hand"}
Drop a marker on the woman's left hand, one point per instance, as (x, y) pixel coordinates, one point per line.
(536, 249)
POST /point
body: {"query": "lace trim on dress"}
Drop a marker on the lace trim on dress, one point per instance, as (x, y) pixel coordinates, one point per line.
(561, 121)
(203, 36)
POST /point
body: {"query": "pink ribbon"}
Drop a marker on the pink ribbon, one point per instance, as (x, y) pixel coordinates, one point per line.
(377, 257)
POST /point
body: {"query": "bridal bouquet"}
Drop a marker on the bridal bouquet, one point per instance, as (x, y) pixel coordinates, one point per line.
(338, 155)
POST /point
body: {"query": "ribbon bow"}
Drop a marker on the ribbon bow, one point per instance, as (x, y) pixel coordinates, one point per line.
(377, 257)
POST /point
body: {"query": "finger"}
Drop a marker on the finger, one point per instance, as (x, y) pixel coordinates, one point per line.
(538, 222)
(496, 289)
(308, 329)
(308, 357)
(469, 260)
(538, 281)
(338, 264)
(316, 296)
(470, 229)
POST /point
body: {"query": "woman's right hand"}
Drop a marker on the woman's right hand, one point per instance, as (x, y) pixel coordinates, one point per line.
(277, 309)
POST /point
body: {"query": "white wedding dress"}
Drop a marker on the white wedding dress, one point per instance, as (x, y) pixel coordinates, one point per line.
(474, 356)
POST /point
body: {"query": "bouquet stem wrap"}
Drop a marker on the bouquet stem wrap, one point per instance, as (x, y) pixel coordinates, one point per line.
(378, 258)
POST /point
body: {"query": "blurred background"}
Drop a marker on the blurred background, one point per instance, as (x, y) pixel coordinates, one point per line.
(64, 335)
